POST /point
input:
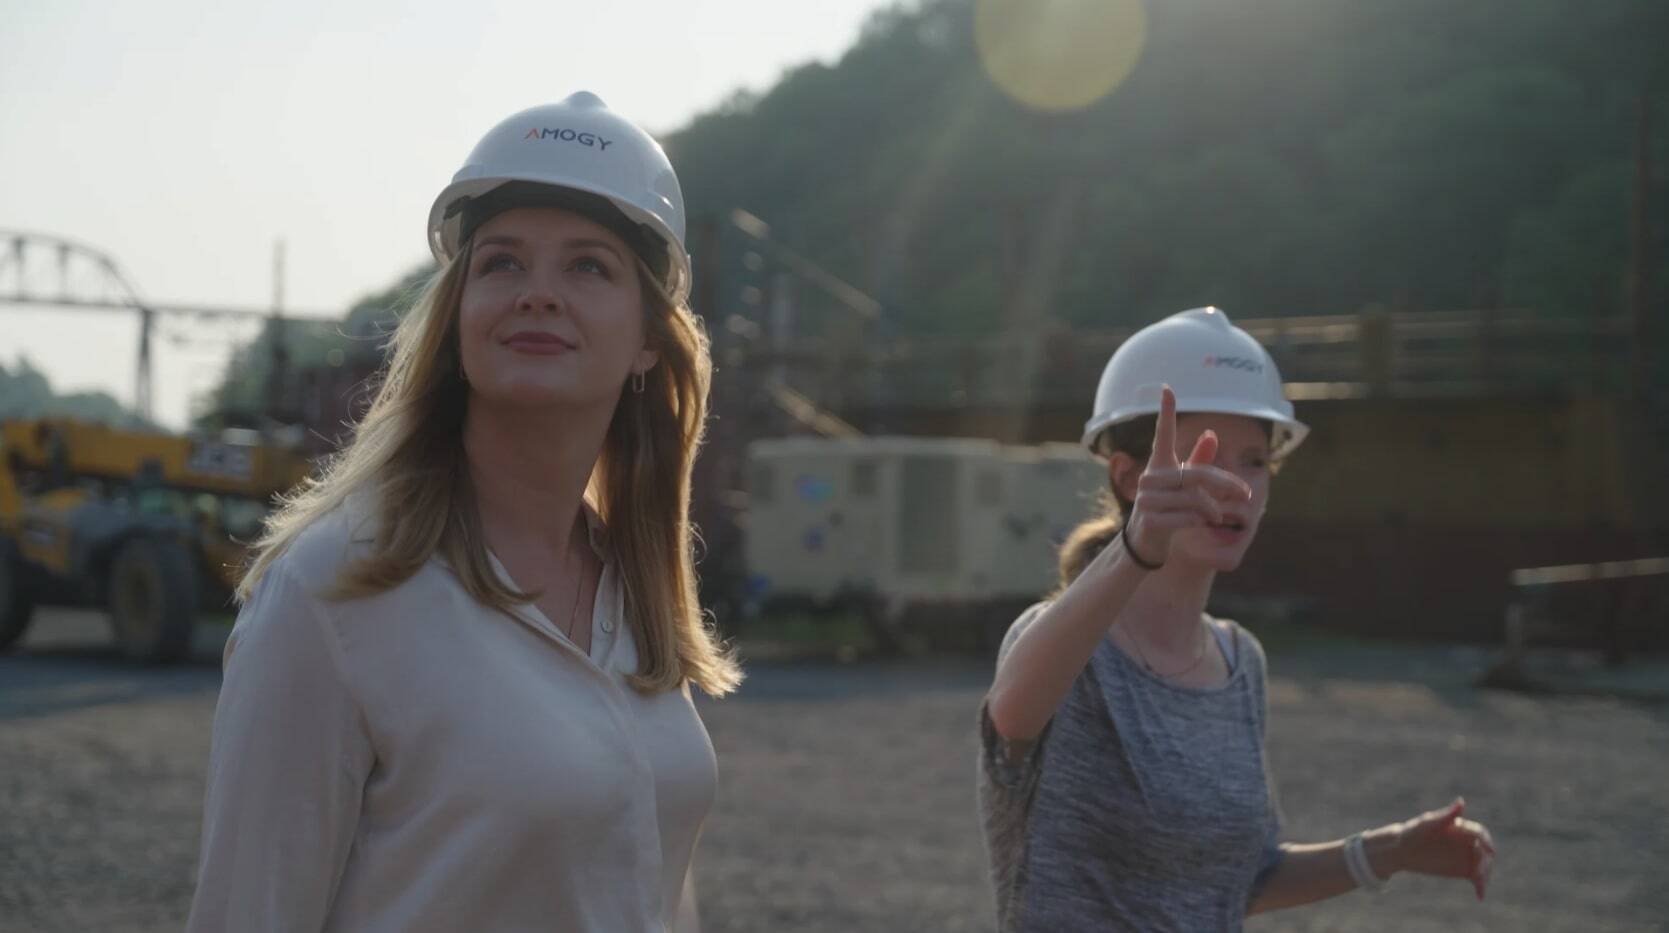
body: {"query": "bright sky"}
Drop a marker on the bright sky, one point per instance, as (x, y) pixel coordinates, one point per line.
(184, 138)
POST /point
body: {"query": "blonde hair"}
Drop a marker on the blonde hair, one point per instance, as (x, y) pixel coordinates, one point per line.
(407, 461)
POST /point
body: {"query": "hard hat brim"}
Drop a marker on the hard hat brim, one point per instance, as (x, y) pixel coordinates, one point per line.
(446, 224)
(1292, 431)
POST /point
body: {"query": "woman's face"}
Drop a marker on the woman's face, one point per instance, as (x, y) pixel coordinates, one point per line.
(1242, 449)
(552, 311)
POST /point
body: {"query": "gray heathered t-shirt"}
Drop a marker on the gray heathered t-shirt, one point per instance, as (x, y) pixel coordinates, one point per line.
(1142, 806)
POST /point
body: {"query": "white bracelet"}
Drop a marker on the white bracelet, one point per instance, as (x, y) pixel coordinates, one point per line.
(1356, 859)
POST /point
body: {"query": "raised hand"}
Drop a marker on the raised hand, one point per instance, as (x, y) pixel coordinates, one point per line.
(1171, 496)
(1444, 843)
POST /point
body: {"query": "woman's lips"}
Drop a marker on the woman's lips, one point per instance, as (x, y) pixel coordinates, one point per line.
(1223, 534)
(538, 343)
(1229, 531)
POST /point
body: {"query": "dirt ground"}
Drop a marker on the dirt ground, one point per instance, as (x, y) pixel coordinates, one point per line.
(846, 799)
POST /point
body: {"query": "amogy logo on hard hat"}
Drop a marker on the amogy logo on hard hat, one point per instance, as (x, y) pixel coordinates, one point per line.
(570, 136)
(1234, 362)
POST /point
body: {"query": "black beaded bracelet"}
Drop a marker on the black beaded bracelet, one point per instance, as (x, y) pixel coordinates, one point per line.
(1132, 551)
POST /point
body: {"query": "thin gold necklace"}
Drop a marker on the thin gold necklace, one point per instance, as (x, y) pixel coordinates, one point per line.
(1198, 657)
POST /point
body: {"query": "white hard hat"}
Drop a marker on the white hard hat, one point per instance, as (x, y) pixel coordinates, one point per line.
(582, 150)
(1211, 365)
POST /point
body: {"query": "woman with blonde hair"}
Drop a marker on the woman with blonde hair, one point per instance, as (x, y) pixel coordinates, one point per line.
(457, 694)
(1123, 782)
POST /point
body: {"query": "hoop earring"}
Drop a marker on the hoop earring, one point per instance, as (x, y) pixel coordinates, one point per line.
(637, 383)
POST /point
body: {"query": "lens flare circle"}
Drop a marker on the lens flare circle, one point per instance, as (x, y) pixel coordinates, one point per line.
(1059, 55)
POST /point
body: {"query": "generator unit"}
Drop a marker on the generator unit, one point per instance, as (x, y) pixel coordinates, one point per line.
(947, 527)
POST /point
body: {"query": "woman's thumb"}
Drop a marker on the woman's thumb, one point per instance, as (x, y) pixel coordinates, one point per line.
(1453, 811)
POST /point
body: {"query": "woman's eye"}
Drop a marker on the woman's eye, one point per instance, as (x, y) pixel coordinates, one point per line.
(592, 265)
(499, 262)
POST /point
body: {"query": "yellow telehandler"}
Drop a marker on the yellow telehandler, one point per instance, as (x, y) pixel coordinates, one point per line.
(146, 525)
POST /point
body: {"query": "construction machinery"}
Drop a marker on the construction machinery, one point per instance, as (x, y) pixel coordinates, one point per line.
(147, 525)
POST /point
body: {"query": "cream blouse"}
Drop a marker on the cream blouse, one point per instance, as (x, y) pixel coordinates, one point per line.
(416, 761)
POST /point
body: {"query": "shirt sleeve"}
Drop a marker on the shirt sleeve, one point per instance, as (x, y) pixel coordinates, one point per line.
(1010, 766)
(1272, 851)
(1270, 858)
(287, 770)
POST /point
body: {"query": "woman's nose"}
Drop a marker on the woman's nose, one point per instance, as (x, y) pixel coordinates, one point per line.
(540, 296)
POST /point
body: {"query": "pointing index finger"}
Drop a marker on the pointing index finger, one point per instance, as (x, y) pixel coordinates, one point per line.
(1164, 433)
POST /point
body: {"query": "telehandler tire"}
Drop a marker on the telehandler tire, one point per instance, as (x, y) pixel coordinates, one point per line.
(16, 604)
(153, 599)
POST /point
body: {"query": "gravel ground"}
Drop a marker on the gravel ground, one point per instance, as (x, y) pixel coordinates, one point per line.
(846, 800)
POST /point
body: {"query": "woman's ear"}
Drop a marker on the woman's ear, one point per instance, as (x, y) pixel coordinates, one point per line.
(1123, 472)
(646, 360)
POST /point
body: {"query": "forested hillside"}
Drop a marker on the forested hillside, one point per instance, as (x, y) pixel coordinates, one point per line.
(1273, 157)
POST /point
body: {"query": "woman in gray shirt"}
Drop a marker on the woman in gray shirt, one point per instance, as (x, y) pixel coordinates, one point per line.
(1123, 782)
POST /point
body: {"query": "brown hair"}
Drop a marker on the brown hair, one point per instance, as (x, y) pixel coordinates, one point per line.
(407, 461)
(1134, 438)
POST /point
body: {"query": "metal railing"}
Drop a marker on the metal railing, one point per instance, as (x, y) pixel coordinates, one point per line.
(1529, 617)
(1366, 355)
